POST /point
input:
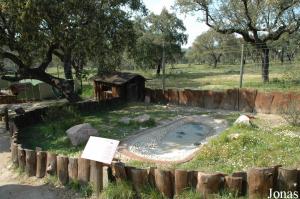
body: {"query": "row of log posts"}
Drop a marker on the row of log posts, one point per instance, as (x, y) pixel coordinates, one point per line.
(257, 182)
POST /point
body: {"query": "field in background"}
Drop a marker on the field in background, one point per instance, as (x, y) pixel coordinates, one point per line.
(284, 77)
(204, 77)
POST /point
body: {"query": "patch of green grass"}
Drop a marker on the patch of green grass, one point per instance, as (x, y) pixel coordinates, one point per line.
(254, 147)
(50, 134)
(204, 77)
(118, 190)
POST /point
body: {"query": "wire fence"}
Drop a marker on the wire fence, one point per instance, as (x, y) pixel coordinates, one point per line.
(200, 73)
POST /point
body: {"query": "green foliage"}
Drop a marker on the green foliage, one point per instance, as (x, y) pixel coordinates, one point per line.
(212, 47)
(118, 190)
(155, 34)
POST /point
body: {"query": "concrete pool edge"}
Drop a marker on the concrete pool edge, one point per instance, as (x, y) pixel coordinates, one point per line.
(125, 154)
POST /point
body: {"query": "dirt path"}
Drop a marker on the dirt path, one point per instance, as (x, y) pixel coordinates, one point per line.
(15, 186)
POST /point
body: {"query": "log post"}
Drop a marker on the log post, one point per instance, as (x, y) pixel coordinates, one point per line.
(139, 178)
(96, 176)
(107, 175)
(21, 158)
(30, 167)
(151, 176)
(118, 171)
(62, 169)
(243, 175)
(287, 179)
(163, 182)
(14, 153)
(260, 181)
(193, 179)
(209, 183)
(6, 119)
(83, 170)
(51, 163)
(128, 172)
(181, 181)
(41, 159)
(234, 185)
(73, 169)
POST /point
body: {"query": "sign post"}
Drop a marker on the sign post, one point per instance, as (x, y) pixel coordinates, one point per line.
(99, 151)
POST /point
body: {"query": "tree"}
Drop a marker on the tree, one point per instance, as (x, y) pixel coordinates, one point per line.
(211, 46)
(73, 30)
(155, 34)
(256, 21)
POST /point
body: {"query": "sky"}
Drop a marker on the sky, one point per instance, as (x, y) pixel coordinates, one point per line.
(193, 26)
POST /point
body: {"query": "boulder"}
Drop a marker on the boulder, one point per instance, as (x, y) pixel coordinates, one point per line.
(142, 118)
(243, 119)
(125, 120)
(80, 134)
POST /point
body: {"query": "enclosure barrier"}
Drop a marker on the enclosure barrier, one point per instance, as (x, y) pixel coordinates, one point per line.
(255, 183)
(246, 100)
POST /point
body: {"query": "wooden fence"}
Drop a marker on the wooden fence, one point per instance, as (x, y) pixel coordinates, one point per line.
(256, 182)
(246, 100)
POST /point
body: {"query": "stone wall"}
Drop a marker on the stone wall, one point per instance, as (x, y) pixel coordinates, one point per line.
(246, 100)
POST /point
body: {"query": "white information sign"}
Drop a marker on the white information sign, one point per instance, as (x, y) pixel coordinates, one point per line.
(100, 149)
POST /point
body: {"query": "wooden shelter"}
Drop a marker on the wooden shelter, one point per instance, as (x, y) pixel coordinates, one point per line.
(127, 86)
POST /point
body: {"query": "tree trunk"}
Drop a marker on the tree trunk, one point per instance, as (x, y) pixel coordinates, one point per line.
(118, 171)
(139, 179)
(234, 185)
(265, 63)
(158, 68)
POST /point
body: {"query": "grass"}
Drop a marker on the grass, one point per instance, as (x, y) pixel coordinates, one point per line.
(50, 134)
(254, 146)
(124, 190)
(185, 76)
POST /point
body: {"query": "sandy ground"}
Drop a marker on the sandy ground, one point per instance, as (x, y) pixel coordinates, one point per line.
(15, 186)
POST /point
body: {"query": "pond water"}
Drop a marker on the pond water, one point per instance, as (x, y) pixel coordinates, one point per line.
(175, 141)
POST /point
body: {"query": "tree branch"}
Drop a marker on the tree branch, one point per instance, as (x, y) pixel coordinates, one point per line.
(14, 59)
(48, 58)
